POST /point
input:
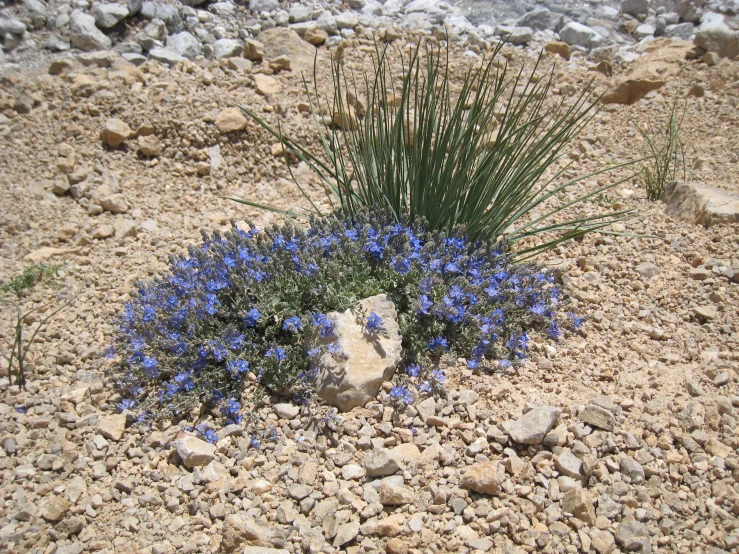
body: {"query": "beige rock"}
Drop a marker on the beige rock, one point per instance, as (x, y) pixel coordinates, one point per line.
(239, 64)
(61, 185)
(240, 530)
(47, 252)
(66, 165)
(55, 508)
(281, 41)
(561, 49)
(115, 132)
(717, 448)
(266, 85)
(578, 503)
(392, 494)
(354, 379)
(115, 203)
(484, 477)
(700, 203)
(315, 36)
(253, 50)
(194, 452)
(103, 231)
(390, 526)
(150, 145)
(230, 120)
(280, 63)
(112, 426)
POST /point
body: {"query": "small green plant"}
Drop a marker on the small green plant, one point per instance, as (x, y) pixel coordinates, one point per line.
(666, 160)
(33, 274)
(474, 154)
(20, 285)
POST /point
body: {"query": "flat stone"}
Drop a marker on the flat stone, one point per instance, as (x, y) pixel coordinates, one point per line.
(150, 145)
(633, 535)
(717, 448)
(379, 463)
(230, 120)
(112, 426)
(578, 503)
(718, 37)
(194, 452)
(115, 132)
(346, 533)
(55, 508)
(266, 85)
(484, 477)
(392, 494)
(700, 203)
(286, 410)
(533, 426)
(569, 464)
(598, 417)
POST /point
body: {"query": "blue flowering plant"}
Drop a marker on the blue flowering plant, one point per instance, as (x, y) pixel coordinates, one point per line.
(238, 314)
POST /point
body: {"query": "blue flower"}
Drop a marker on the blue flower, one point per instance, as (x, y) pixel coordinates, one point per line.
(110, 353)
(238, 367)
(255, 443)
(425, 387)
(374, 323)
(402, 393)
(151, 367)
(504, 363)
(127, 404)
(576, 321)
(276, 353)
(251, 318)
(438, 375)
(473, 363)
(438, 343)
(424, 303)
(324, 324)
(292, 324)
(554, 331)
(413, 370)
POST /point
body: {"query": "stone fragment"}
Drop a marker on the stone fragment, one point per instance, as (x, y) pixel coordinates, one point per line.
(165, 56)
(577, 34)
(603, 542)
(700, 203)
(85, 35)
(346, 533)
(368, 360)
(254, 50)
(633, 535)
(230, 120)
(392, 494)
(569, 464)
(194, 452)
(240, 530)
(227, 48)
(647, 270)
(109, 15)
(484, 477)
(112, 426)
(578, 503)
(55, 508)
(706, 313)
(379, 463)
(635, 8)
(266, 85)
(631, 468)
(514, 35)
(717, 448)
(718, 37)
(561, 49)
(185, 45)
(150, 145)
(533, 426)
(540, 19)
(281, 41)
(286, 410)
(115, 132)
(315, 36)
(598, 417)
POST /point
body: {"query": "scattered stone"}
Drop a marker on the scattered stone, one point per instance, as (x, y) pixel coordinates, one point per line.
(598, 417)
(227, 48)
(346, 533)
(150, 145)
(533, 426)
(484, 477)
(514, 35)
(577, 34)
(578, 503)
(85, 35)
(55, 508)
(185, 45)
(700, 204)
(633, 535)
(230, 120)
(392, 494)
(315, 36)
(716, 36)
(113, 426)
(266, 85)
(109, 15)
(115, 132)
(562, 49)
(379, 463)
(194, 452)
(254, 50)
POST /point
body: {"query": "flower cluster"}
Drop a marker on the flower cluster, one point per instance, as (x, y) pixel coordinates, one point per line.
(238, 311)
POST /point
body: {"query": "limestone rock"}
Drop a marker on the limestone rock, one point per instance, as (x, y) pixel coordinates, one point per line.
(393, 494)
(700, 203)
(514, 35)
(115, 132)
(379, 462)
(109, 15)
(717, 37)
(346, 533)
(578, 503)
(266, 85)
(315, 36)
(254, 50)
(598, 417)
(540, 19)
(112, 426)
(85, 35)
(194, 452)
(633, 535)
(150, 145)
(230, 120)
(577, 34)
(560, 48)
(185, 45)
(533, 426)
(240, 530)
(55, 508)
(281, 41)
(227, 48)
(355, 378)
(484, 477)
(165, 56)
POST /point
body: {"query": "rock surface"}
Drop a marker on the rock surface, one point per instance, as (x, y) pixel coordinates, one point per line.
(700, 203)
(355, 378)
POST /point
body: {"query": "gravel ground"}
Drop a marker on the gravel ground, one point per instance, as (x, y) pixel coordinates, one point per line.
(621, 438)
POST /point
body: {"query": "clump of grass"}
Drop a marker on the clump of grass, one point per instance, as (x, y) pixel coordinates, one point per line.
(666, 160)
(476, 154)
(20, 285)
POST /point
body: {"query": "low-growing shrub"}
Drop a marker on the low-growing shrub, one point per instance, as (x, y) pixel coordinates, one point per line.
(233, 315)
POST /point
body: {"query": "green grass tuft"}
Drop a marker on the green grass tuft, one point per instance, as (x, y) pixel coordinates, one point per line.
(474, 153)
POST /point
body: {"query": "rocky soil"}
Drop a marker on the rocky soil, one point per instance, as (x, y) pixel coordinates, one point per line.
(622, 438)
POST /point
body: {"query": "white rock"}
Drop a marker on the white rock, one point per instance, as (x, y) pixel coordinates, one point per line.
(165, 56)
(355, 378)
(716, 36)
(533, 426)
(700, 203)
(109, 15)
(577, 34)
(227, 48)
(112, 426)
(514, 35)
(85, 35)
(286, 410)
(194, 452)
(185, 45)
